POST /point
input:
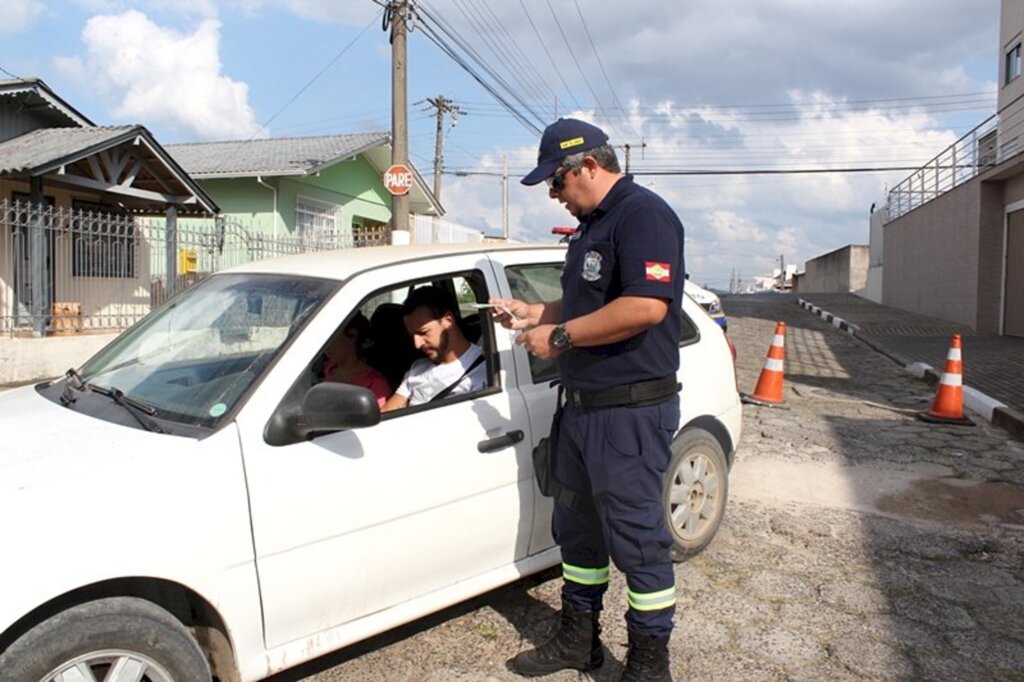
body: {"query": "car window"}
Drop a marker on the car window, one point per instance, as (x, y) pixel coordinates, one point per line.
(192, 359)
(533, 284)
(384, 344)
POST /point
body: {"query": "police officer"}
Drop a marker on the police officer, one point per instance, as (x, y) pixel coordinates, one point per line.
(615, 336)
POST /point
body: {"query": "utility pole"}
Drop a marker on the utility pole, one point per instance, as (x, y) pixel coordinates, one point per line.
(782, 271)
(628, 147)
(443, 105)
(398, 10)
(504, 196)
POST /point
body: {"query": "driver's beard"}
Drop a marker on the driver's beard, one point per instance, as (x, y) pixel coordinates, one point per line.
(442, 347)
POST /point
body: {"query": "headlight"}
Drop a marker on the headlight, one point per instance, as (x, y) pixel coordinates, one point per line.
(714, 307)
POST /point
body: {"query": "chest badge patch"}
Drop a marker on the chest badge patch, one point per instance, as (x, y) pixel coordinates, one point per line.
(592, 266)
(658, 272)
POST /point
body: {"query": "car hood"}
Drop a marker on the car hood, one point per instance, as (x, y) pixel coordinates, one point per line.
(45, 443)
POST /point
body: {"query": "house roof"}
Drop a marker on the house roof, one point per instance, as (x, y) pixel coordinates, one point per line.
(33, 92)
(296, 156)
(120, 160)
(272, 156)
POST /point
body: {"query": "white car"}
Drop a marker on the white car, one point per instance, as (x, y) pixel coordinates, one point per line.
(709, 301)
(194, 501)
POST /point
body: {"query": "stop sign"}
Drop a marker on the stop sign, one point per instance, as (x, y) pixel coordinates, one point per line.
(398, 179)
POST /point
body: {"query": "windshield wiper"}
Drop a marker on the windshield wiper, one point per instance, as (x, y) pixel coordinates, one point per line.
(130, 405)
(65, 397)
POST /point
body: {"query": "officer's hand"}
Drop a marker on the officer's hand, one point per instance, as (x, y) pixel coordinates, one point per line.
(511, 313)
(536, 341)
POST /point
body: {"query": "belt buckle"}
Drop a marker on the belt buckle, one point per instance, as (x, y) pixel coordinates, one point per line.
(575, 397)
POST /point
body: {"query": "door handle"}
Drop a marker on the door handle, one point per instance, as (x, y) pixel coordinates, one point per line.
(492, 444)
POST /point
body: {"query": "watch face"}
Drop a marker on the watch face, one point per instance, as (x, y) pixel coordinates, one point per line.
(559, 338)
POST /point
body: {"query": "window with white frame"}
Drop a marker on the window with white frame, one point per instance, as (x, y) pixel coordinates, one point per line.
(315, 222)
(1013, 63)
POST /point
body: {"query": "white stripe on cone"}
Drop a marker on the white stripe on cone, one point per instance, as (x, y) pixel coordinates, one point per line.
(773, 364)
(952, 379)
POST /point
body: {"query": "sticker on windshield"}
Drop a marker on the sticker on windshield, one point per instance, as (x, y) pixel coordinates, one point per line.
(218, 409)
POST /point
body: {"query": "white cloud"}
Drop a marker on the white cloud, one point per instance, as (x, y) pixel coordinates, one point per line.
(156, 75)
(19, 14)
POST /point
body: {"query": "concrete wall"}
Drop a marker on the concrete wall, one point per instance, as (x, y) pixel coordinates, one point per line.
(931, 257)
(25, 360)
(842, 270)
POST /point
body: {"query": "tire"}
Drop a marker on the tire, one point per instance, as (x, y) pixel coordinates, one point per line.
(96, 637)
(695, 492)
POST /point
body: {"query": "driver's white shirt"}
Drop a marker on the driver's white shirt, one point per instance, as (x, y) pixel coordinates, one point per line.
(424, 379)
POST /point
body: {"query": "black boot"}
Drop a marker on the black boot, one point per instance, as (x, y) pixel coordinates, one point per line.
(647, 660)
(576, 645)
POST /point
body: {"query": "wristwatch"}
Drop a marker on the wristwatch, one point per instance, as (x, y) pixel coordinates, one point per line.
(560, 339)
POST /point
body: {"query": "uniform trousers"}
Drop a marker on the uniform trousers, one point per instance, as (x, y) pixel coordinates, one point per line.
(616, 458)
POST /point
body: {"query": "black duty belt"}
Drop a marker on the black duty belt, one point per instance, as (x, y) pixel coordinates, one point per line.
(641, 393)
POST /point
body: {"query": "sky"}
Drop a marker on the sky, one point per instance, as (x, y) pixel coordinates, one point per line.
(695, 88)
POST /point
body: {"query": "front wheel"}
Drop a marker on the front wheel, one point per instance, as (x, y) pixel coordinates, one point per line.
(119, 638)
(695, 491)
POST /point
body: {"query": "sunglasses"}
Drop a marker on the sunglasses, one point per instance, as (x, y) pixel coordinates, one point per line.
(556, 182)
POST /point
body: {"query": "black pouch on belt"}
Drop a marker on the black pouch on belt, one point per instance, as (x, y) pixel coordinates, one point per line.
(544, 464)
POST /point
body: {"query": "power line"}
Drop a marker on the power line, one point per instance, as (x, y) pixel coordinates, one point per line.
(597, 55)
(735, 171)
(428, 28)
(551, 59)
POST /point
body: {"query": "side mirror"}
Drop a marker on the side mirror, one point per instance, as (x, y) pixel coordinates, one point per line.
(328, 406)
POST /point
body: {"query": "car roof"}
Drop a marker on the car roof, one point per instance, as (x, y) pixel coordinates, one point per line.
(344, 263)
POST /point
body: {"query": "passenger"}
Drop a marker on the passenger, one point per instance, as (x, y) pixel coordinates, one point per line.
(346, 361)
(452, 366)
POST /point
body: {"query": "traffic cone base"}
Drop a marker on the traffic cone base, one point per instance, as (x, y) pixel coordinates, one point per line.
(948, 407)
(932, 419)
(768, 392)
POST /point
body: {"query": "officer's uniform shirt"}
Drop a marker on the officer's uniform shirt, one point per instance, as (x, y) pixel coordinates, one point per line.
(630, 245)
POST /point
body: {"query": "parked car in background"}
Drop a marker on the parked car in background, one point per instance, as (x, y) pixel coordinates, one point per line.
(709, 301)
(195, 500)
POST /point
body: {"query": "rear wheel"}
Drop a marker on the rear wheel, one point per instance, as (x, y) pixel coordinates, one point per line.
(116, 639)
(695, 491)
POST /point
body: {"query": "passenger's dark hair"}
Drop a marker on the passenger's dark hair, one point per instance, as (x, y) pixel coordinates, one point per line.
(361, 326)
(435, 299)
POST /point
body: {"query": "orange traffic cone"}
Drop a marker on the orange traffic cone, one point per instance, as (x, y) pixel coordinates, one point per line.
(948, 407)
(768, 391)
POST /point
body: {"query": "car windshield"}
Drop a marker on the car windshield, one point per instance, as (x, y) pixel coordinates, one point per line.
(194, 358)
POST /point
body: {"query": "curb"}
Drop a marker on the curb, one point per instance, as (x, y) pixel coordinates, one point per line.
(993, 411)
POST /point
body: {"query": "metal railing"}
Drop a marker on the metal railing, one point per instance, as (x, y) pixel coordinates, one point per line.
(71, 271)
(971, 154)
(68, 271)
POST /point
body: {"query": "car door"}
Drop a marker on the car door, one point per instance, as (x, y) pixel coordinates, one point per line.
(535, 276)
(356, 522)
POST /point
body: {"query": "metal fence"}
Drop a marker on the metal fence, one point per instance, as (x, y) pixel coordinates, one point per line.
(973, 153)
(70, 271)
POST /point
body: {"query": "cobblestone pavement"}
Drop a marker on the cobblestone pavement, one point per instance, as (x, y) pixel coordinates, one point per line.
(992, 364)
(859, 543)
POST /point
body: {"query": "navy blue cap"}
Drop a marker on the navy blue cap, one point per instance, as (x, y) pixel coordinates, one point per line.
(560, 139)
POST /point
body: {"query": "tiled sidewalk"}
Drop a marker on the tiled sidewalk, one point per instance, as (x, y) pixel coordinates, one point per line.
(994, 365)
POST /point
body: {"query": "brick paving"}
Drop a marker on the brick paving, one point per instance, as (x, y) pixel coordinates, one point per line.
(993, 365)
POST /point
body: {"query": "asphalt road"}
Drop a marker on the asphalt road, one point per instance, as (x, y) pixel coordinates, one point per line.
(859, 543)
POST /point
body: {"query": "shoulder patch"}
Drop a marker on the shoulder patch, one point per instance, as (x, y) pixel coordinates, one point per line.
(658, 272)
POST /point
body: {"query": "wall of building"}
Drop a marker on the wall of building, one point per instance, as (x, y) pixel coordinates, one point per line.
(25, 360)
(1011, 107)
(842, 270)
(931, 257)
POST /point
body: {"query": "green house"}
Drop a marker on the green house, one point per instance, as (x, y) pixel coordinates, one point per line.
(326, 190)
